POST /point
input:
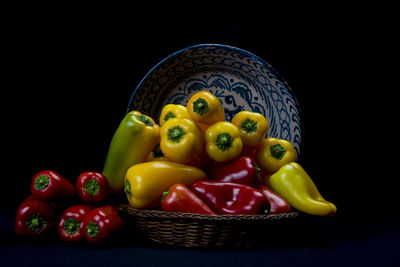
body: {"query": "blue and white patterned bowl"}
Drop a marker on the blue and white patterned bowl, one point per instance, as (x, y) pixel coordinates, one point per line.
(240, 79)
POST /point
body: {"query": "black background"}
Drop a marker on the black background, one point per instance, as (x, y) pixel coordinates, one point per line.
(70, 73)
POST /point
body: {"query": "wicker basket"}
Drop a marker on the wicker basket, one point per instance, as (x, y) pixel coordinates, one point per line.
(204, 231)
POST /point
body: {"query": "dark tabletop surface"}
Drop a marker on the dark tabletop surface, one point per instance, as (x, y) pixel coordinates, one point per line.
(72, 71)
(314, 242)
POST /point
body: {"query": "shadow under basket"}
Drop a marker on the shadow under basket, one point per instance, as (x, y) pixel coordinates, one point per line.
(207, 231)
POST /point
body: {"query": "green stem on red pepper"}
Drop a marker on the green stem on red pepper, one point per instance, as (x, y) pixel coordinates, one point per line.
(92, 229)
(71, 226)
(41, 182)
(92, 187)
(50, 185)
(36, 222)
(33, 217)
(100, 223)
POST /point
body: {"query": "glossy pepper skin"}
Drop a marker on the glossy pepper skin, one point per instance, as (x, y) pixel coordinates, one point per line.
(132, 142)
(253, 127)
(100, 223)
(205, 109)
(230, 198)
(70, 225)
(92, 187)
(223, 142)
(183, 142)
(273, 153)
(243, 170)
(34, 217)
(171, 111)
(294, 184)
(180, 198)
(277, 204)
(145, 182)
(50, 185)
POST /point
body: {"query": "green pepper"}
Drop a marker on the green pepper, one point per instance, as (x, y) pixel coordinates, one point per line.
(131, 144)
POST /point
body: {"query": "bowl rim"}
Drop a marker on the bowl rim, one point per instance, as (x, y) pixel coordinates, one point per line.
(255, 57)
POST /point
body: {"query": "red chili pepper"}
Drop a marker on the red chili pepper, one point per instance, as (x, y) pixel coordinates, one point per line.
(277, 203)
(70, 225)
(230, 198)
(49, 185)
(100, 223)
(92, 187)
(179, 198)
(243, 170)
(34, 217)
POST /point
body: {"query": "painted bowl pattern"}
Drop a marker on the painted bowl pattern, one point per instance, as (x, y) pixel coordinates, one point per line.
(240, 79)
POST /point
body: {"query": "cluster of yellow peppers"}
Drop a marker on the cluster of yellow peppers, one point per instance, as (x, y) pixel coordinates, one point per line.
(145, 159)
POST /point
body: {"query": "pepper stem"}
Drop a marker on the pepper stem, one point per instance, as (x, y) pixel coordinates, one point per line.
(200, 106)
(36, 222)
(92, 187)
(92, 229)
(175, 134)
(156, 152)
(127, 189)
(71, 226)
(249, 126)
(258, 170)
(145, 120)
(41, 182)
(169, 115)
(224, 141)
(164, 195)
(277, 151)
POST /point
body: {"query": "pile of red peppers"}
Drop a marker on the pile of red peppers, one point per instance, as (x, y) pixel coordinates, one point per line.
(234, 188)
(91, 219)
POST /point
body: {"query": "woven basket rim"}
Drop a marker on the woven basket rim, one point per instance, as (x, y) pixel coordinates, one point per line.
(159, 214)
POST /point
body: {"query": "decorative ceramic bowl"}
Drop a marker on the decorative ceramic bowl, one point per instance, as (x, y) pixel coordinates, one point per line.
(240, 79)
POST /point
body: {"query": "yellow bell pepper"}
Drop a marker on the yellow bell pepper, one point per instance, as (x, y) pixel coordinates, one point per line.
(156, 154)
(183, 142)
(296, 186)
(205, 109)
(145, 182)
(223, 141)
(132, 142)
(273, 153)
(253, 127)
(173, 111)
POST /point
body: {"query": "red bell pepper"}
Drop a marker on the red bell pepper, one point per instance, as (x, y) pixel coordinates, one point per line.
(70, 225)
(100, 223)
(49, 185)
(243, 170)
(33, 217)
(92, 187)
(248, 151)
(277, 203)
(179, 198)
(230, 198)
